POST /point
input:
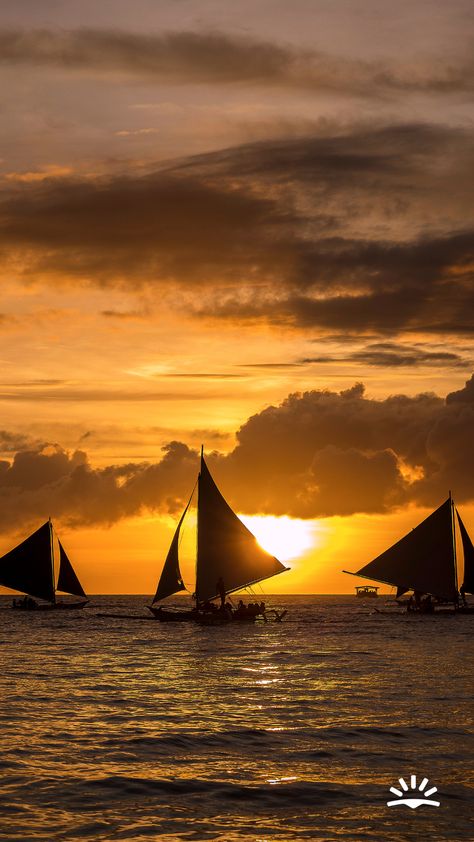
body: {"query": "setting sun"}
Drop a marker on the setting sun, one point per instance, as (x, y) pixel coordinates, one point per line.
(284, 537)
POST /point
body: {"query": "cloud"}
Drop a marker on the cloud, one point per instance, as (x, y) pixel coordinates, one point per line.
(363, 231)
(463, 396)
(395, 355)
(317, 454)
(220, 58)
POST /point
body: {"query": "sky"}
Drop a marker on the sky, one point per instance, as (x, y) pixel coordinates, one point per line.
(246, 225)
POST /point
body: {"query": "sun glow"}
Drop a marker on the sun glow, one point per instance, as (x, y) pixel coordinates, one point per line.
(283, 537)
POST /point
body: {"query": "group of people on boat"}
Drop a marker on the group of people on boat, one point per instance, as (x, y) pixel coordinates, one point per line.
(424, 604)
(242, 612)
(420, 603)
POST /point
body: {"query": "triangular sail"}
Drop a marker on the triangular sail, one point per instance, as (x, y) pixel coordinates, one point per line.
(226, 548)
(29, 566)
(67, 579)
(171, 580)
(423, 560)
(468, 550)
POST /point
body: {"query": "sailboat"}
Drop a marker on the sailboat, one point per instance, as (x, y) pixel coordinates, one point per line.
(228, 558)
(425, 561)
(30, 569)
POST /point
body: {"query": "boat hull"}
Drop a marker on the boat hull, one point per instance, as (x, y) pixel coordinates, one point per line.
(58, 606)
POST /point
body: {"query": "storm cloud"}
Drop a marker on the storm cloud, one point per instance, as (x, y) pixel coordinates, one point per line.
(217, 57)
(361, 231)
(304, 457)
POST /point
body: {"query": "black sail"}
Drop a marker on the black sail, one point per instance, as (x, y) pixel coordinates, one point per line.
(468, 550)
(226, 548)
(29, 566)
(67, 579)
(171, 580)
(423, 560)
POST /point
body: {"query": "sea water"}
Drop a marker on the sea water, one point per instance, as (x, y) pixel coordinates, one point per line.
(129, 729)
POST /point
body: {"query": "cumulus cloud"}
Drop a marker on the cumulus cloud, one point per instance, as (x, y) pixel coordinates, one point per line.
(214, 57)
(363, 231)
(318, 453)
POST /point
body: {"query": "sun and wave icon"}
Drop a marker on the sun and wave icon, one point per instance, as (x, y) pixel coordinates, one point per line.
(410, 801)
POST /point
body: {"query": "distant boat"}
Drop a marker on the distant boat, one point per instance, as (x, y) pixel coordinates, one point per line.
(30, 569)
(363, 591)
(425, 561)
(227, 552)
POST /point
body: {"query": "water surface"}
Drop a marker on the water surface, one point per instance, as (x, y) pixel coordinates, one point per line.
(122, 729)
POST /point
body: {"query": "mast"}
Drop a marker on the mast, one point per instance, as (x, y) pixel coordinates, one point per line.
(453, 528)
(51, 544)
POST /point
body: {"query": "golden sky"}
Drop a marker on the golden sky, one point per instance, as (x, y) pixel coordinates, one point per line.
(234, 225)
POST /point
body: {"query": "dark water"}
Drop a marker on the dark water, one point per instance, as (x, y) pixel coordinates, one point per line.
(134, 730)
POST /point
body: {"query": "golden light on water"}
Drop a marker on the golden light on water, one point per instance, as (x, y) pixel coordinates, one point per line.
(284, 537)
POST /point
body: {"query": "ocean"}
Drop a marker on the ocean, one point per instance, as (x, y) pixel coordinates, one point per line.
(128, 729)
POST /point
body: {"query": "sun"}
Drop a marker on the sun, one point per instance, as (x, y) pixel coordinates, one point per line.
(283, 537)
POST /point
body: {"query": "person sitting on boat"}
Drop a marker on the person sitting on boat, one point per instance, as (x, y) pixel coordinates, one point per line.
(208, 606)
(427, 606)
(220, 588)
(241, 610)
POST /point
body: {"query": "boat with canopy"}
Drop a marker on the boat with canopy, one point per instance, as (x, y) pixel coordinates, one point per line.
(425, 561)
(228, 559)
(30, 569)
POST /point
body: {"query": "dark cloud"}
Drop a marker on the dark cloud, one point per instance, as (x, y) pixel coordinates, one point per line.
(363, 232)
(463, 396)
(395, 355)
(196, 58)
(317, 454)
(12, 442)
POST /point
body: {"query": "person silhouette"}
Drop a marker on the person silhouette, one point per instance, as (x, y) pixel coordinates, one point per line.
(220, 588)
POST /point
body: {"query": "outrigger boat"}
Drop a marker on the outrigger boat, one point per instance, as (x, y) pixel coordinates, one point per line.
(364, 591)
(30, 569)
(425, 562)
(228, 559)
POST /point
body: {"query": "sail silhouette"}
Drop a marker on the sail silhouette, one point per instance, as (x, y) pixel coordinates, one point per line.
(468, 551)
(67, 579)
(29, 568)
(171, 581)
(424, 560)
(226, 549)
